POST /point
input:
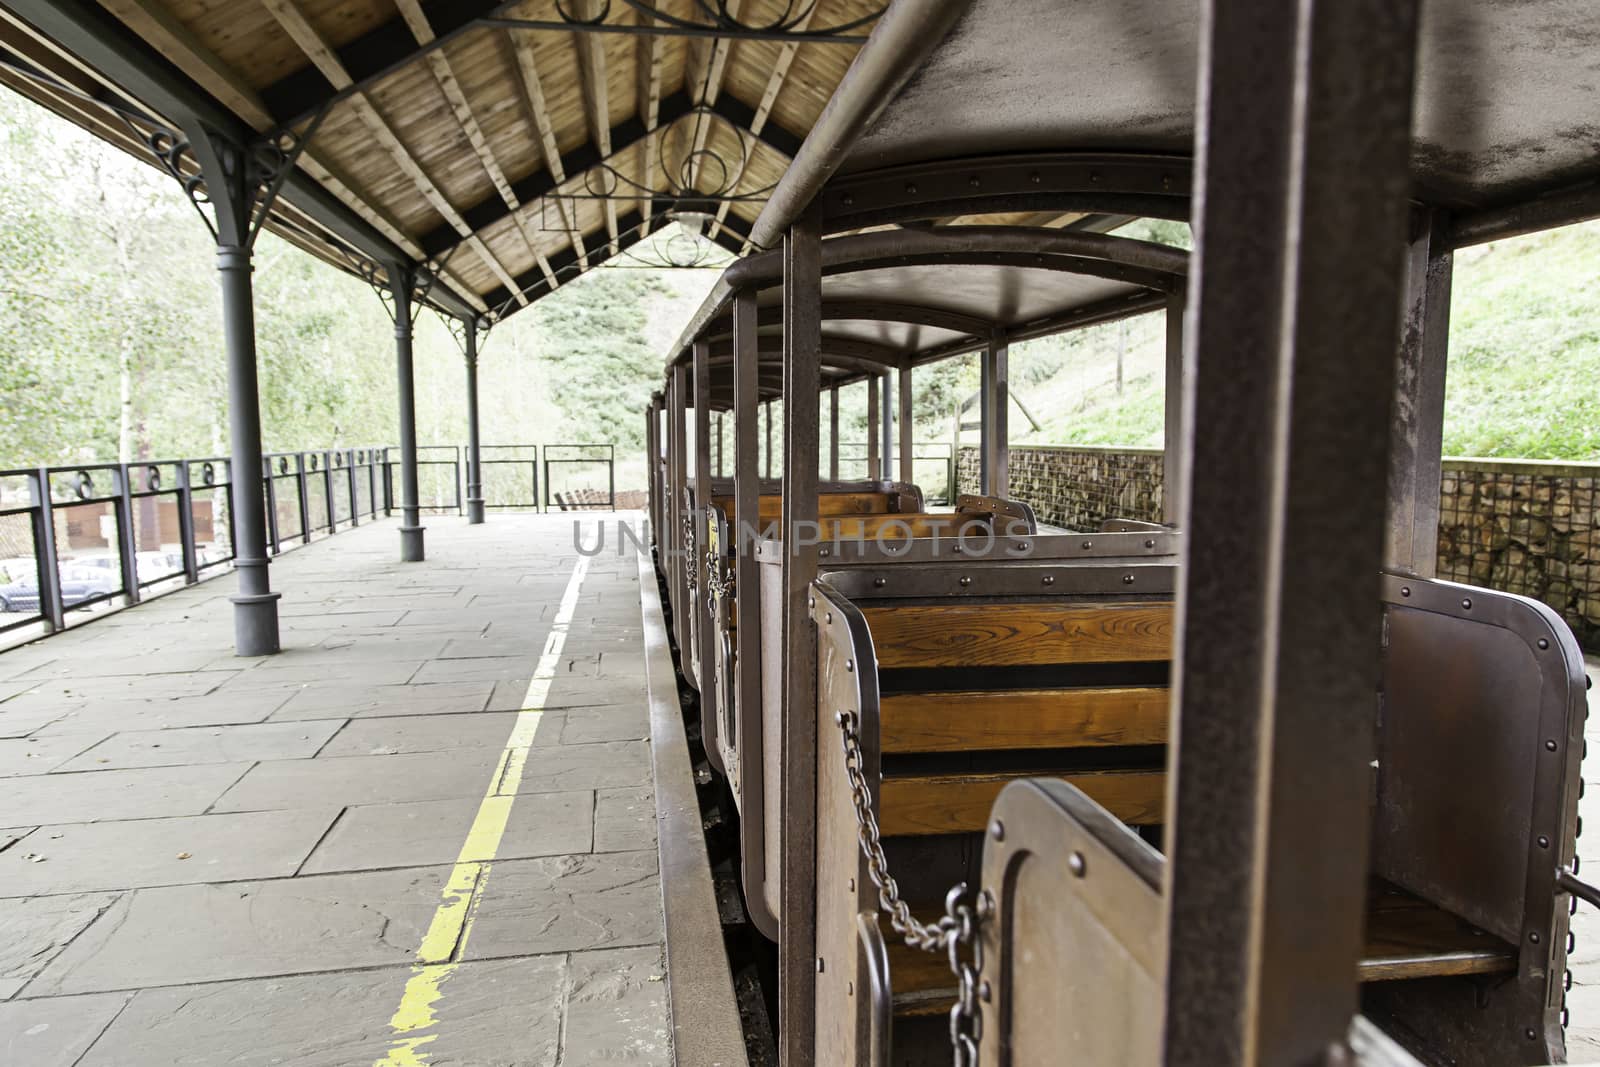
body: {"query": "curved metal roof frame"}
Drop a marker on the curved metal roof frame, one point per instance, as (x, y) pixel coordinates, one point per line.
(1138, 277)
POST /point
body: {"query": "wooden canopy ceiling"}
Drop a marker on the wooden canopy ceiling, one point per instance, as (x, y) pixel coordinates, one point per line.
(509, 145)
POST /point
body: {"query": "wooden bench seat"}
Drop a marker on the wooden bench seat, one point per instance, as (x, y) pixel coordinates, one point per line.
(1021, 634)
(917, 805)
(1407, 937)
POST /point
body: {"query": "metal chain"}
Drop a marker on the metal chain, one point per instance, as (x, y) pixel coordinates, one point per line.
(957, 927)
(688, 547)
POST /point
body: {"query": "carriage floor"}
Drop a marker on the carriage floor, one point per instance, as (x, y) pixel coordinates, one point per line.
(424, 833)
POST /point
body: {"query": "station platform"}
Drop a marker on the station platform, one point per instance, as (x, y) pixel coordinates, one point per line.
(425, 833)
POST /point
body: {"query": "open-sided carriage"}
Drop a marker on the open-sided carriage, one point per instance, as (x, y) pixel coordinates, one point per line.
(1250, 786)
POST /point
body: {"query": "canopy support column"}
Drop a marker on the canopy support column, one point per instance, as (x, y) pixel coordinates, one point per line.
(802, 387)
(995, 468)
(241, 183)
(1301, 211)
(1174, 445)
(1417, 429)
(908, 473)
(402, 276)
(475, 508)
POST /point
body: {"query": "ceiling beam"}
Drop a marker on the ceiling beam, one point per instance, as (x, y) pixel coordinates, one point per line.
(444, 77)
(769, 96)
(596, 99)
(647, 69)
(321, 53)
(100, 41)
(554, 171)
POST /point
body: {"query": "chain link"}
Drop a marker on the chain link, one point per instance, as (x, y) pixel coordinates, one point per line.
(688, 549)
(956, 928)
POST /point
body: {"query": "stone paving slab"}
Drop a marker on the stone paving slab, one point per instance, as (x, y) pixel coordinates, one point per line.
(361, 780)
(141, 853)
(38, 755)
(181, 935)
(207, 744)
(341, 1020)
(624, 819)
(374, 836)
(566, 904)
(20, 721)
(57, 1031)
(421, 733)
(232, 709)
(144, 793)
(626, 722)
(33, 931)
(356, 701)
(615, 1008)
(499, 668)
(605, 765)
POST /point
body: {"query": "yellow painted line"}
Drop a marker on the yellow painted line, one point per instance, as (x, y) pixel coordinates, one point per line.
(413, 1026)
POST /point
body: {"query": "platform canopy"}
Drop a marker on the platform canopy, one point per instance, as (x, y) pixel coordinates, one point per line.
(509, 146)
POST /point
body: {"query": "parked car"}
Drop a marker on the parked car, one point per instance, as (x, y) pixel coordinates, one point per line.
(78, 584)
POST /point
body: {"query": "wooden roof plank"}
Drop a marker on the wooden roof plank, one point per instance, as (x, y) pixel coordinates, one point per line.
(647, 67)
(539, 113)
(596, 100)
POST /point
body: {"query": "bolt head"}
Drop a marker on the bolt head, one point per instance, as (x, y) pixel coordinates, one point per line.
(997, 830)
(1543, 644)
(965, 581)
(1127, 579)
(1049, 579)
(850, 666)
(1544, 842)
(1088, 545)
(1466, 603)
(1550, 746)
(879, 583)
(985, 991)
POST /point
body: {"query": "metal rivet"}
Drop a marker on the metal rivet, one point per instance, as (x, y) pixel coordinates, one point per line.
(1034, 178)
(1150, 543)
(957, 548)
(1088, 544)
(985, 991)
(1127, 579)
(1466, 603)
(1094, 176)
(1550, 746)
(847, 200)
(1405, 590)
(811, 602)
(822, 965)
(1533, 937)
(974, 182)
(965, 580)
(1543, 644)
(828, 617)
(997, 830)
(852, 885)
(849, 989)
(1544, 842)
(1049, 579)
(1077, 865)
(879, 583)
(825, 553)
(1022, 546)
(1530, 1034)
(911, 188)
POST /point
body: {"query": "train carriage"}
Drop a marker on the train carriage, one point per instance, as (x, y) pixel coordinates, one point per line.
(1250, 785)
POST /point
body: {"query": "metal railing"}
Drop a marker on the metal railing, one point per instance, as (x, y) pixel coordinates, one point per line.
(933, 467)
(75, 539)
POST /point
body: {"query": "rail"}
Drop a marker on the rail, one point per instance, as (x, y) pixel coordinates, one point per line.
(78, 539)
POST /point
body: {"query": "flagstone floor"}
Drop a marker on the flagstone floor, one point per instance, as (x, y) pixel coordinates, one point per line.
(365, 850)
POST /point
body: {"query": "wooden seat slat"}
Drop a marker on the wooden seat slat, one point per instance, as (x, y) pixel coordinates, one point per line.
(976, 720)
(959, 803)
(972, 635)
(1406, 938)
(770, 506)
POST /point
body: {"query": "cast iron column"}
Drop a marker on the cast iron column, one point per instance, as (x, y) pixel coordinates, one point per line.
(474, 460)
(411, 549)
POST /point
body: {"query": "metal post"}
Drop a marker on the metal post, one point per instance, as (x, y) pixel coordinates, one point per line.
(652, 466)
(255, 605)
(127, 543)
(833, 433)
(45, 557)
(401, 275)
(1173, 439)
(1301, 211)
(677, 479)
(302, 484)
(191, 560)
(327, 491)
(886, 431)
(908, 471)
(747, 596)
(802, 384)
(350, 481)
(1416, 436)
(994, 470)
(874, 430)
(700, 563)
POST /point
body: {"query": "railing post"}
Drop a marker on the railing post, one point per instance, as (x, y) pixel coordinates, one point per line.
(611, 475)
(327, 491)
(908, 447)
(127, 544)
(833, 433)
(874, 429)
(191, 555)
(45, 559)
(303, 489)
(350, 478)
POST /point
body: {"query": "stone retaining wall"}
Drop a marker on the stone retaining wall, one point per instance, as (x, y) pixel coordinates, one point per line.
(1527, 527)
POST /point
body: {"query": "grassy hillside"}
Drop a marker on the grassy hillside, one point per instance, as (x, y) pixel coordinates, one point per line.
(1524, 376)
